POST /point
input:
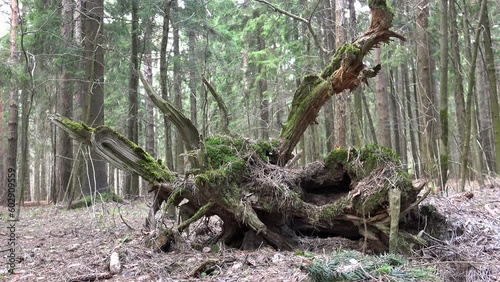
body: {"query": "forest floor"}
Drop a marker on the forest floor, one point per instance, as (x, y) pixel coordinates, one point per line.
(56, 244)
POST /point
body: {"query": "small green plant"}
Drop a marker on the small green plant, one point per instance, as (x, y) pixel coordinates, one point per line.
(304, 253)
(347, 265)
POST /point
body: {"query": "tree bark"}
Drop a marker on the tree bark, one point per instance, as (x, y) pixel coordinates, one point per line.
(458, 87)
(340, 129)
(11, 164)
(443, 94)
(492, 80)
(132, 181)
(93, 11)
(382, 105)
(64, 150)
(192, 78)
(345, 71)
(169, 159)
(427, 102)
(179, 145)
(464, 157)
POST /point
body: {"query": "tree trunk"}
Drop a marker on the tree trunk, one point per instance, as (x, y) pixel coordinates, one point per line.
(192, 78)
(179, 146)
(425, 90)
(330, 39)
(494, 100)
(340, 130)
(150, 118)
(443, 94)
(93, 11)
(3, 192)
(169, 159)
(64, 149)
(487, 154)
(132, 181)
(394, 111)
(458, 87)
(382, 102)
(411, 118)
(11, 164)
(464, 157)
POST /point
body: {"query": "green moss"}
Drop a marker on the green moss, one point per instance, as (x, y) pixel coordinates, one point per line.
(336, 158)
(87, 201)
(152, 170)
(156, 171)
(308, 90)
(361, 162)
(336, 61)
(221, 150)
(75, 126)
(330, 211)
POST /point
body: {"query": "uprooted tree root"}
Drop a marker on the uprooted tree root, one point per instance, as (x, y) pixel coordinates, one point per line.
(260, 203)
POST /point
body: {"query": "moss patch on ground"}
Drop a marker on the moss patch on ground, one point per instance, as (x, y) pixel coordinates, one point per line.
(89, 200)
(347, 265)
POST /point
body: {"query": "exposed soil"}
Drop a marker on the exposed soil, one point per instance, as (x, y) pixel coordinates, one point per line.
(56, 244)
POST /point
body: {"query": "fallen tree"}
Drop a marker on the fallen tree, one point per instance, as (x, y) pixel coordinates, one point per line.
(353, 193)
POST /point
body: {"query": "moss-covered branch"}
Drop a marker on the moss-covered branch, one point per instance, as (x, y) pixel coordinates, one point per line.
(346, 71)
(116, 149)
(77, 130)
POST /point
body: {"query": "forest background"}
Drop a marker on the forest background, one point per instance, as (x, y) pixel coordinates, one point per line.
(435, 102)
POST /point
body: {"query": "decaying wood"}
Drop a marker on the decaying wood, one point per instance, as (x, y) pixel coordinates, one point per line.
(346, 71)
(259, 198)
(224, 116)
(184, 126)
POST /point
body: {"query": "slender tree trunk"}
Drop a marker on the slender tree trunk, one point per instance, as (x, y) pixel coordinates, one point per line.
(150, 118)
(412, 128)
(340, 115)
(425, 89)
(132, 181)
(169, 160)
(464, 158)
(382, 103)
(484, 116)
(371, 125)
(328, 108)
(494, 99)
(64, 150)
(24, 170)
(179, 144)
(458, 87)
(192, 78)
(93, 11)
(36, 173)
(262, 89)
(3, 192)
(11, 165)
(443, 94)
(394, 109)
(43, 174)
(246, 90)
(356, 108)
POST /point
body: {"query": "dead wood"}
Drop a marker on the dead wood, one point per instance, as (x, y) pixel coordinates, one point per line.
(247, 184)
